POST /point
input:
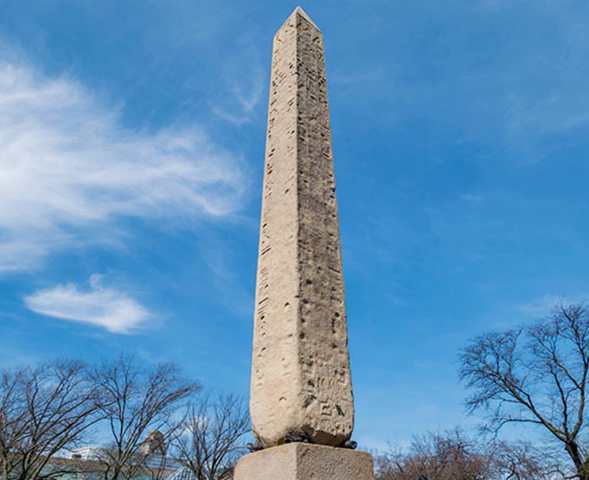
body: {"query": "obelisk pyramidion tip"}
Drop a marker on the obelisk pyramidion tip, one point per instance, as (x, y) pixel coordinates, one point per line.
(299, 10)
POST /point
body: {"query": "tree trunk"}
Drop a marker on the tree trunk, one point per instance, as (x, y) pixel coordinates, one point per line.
(581, 465)
(583, 472)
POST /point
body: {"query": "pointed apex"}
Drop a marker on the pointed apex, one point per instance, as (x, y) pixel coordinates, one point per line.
(299, 11)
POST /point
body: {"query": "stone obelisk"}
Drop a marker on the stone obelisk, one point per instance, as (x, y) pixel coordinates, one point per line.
(301, 390)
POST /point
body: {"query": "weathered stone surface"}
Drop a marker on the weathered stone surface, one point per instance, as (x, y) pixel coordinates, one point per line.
(299, 461)
(301, 380)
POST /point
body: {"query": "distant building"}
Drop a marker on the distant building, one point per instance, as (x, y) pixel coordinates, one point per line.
(86, 463)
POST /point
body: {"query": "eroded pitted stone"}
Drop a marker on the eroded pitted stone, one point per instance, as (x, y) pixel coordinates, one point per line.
(301, 385)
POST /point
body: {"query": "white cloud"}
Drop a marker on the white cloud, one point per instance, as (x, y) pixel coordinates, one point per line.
(69, 170)
(104, 307)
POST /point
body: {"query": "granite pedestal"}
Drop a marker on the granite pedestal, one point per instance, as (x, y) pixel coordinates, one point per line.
(302, 461)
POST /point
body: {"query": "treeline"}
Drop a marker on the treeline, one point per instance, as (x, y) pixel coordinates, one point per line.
(149, 421)
(456, 456)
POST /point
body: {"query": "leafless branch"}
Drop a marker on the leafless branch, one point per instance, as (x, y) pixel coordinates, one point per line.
(537, 376)
(212, 437)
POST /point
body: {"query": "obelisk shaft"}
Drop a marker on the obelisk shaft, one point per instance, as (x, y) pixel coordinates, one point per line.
(301, 385)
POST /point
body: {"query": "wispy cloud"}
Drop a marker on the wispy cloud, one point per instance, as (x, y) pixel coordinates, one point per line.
(542, 306)
(244, 96)
(363, 78)
(241, 85)
(69, 168)
(471, 198)
(528, 98)
(104, 307)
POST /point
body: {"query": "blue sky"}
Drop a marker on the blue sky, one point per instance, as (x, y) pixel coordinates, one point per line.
(131, 153)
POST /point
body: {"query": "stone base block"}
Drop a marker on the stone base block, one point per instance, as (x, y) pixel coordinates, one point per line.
(303, 461)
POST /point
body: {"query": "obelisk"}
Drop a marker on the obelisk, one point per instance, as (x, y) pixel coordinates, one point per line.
(301, 390)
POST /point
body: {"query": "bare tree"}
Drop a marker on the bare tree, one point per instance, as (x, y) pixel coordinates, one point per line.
(454, 456)
(447, 456)
(212, 437)
(523, 461)
(43, 410)
(136, 401)
(536, 376)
